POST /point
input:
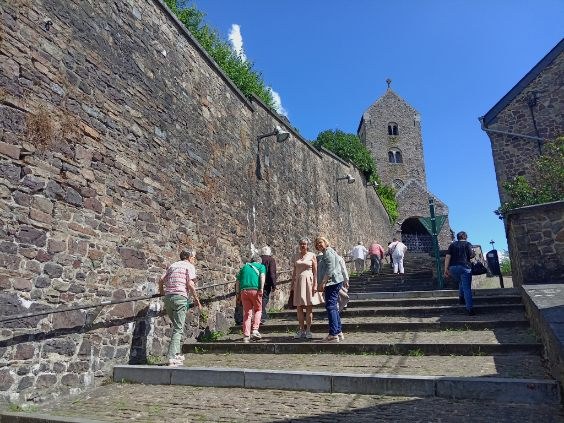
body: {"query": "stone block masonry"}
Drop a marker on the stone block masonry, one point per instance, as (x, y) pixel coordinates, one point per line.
(121, 143)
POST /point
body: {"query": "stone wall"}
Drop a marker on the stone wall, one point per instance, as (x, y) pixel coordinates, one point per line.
(120, 144)
(535, 236)
(514, 156)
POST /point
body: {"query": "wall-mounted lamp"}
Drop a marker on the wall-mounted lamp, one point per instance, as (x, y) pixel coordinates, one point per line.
(372, 184)
(281, 135)
(348, 177)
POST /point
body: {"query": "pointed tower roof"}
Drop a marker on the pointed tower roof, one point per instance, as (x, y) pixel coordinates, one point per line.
(389, 94)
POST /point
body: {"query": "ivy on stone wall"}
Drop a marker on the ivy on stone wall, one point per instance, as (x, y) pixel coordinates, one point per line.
(350, 148)
(240, 71)
(545, 183)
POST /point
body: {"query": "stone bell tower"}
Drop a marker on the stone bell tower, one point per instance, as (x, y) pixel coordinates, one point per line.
(391, 130)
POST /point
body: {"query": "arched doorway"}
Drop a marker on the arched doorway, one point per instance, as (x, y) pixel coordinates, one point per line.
(415, 236)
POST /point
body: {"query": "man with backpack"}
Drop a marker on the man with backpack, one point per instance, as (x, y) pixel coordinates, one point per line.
(457, 265)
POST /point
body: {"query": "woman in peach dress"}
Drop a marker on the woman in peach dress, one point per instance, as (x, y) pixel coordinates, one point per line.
(304, 283)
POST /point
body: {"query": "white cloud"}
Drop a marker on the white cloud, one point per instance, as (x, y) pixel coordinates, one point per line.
(236, 40)
(278, 102)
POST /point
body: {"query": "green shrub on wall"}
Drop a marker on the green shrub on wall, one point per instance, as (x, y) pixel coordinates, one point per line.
(350, 148)
(546, 183)
(239, 71)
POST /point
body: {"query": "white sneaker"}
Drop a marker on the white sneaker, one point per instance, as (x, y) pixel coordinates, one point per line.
(246, 339)
(308, 334)
(341, 336)
(331, 338)
(176, 361)
(255, 335)
(299, 334)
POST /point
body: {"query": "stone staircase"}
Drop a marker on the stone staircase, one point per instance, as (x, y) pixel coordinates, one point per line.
(419, 343)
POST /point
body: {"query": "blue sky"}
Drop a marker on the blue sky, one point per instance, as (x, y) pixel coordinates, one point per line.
(451, 59)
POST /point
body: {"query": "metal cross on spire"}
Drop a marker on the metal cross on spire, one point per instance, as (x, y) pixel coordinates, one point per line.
(389, 82)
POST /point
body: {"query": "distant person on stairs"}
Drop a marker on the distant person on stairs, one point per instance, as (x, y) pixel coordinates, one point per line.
(397, 251)
(270, 283)
(457, 266)
(175, 285)
(344, 291)
(376, 255)
(359, 253)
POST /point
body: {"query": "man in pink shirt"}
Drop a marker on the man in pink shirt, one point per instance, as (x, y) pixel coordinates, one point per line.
(175, 285)
(376, 255)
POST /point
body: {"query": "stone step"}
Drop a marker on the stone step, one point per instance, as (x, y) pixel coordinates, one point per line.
(527, 366)
(511, 335)
(461, 342)
(451, 293)
(362, 325)
(366, 348)
(408, 311)
(400, 302)
(493, 389)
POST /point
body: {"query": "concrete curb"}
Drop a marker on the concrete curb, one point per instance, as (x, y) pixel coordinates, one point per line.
(41, 418)
(529, 391)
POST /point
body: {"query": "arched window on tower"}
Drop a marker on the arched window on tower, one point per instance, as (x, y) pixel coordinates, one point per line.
(393, 128)
(395, 156)
(398, 183)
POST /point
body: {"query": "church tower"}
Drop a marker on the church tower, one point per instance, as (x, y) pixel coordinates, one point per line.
(391, 130)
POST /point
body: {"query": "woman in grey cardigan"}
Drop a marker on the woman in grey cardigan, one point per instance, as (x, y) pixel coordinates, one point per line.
(330, 279)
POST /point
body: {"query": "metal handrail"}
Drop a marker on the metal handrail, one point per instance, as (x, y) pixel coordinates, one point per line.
(103, 303)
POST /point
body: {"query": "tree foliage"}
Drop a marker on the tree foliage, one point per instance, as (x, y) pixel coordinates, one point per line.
(350, 148)
(545, 184)
(241, 72)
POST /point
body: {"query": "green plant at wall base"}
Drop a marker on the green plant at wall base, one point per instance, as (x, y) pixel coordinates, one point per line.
(241, 72)
(505, 267)
(211, 336)
(545, 183)
(350, 148)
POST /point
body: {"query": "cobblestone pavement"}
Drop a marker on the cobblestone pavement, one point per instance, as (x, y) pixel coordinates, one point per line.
(511, 366)
(486, 336)
(164, 404)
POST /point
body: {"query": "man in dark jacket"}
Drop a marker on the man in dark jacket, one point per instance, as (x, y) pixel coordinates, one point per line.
(457, 265)
(270, 284)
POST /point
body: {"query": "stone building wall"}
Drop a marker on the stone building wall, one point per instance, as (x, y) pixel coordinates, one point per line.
(514, 156)
(120, 144)
(535, 235)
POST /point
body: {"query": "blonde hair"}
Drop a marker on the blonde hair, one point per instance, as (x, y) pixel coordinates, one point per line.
(323, 240)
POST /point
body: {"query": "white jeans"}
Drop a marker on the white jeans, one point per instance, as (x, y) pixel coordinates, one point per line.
(398, 264)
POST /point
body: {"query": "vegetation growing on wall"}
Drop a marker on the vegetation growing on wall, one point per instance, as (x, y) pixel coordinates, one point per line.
(350, 148)
(241, 72)
(545, 184)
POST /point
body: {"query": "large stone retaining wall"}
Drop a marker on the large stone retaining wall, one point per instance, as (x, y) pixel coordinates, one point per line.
(120, 144)
(535, 236)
